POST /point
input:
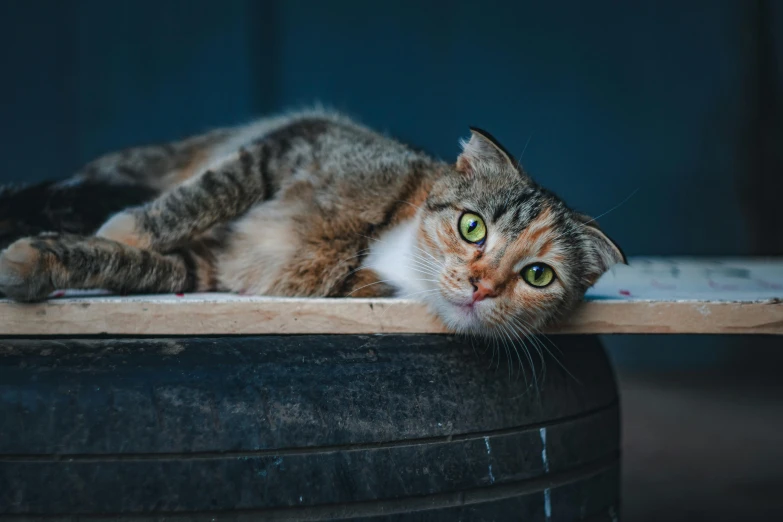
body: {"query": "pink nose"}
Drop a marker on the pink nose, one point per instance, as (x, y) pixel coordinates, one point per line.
(481, 290)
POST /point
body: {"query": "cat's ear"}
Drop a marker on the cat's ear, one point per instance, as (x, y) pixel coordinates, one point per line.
(483, 149)
(609, 253)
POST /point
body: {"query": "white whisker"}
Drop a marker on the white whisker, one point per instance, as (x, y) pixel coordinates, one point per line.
(417, 207)
(536, 344)
(406, 296)
(519, 161)
(424, 272)
(387, 281)
(623, 202)
(434, 270)
(516, 351)
(425, 260)
(433, 257)
(560, 363)
(369, 237)
(508, 356)
(527, 355)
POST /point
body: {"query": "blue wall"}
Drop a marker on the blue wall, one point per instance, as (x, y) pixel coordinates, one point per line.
(613, 97)
(85, 77)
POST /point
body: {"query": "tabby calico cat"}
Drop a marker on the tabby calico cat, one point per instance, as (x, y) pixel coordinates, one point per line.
(313, 204)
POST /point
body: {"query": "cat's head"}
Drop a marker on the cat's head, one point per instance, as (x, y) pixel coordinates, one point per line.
(505, 250)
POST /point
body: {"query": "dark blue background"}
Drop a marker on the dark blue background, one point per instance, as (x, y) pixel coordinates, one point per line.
(612, 96)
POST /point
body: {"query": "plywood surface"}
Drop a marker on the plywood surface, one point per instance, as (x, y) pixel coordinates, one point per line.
(730, 296)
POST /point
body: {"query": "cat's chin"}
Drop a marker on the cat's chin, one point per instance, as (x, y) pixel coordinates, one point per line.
(460, 317)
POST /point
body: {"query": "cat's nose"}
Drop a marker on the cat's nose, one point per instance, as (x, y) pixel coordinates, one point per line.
(481, 289)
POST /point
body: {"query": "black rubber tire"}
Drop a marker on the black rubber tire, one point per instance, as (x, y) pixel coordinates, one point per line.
(381, 428)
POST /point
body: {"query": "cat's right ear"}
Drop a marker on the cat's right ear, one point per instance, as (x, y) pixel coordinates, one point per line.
(609, 252)
(483, 151)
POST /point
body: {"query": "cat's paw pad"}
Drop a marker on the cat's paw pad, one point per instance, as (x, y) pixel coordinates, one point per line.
(23, 275)
(123, 228)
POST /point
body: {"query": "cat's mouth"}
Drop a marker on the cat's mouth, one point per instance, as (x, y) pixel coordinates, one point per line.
(467, 307)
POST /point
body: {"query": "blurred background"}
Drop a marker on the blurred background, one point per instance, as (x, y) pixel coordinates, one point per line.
(676, 104)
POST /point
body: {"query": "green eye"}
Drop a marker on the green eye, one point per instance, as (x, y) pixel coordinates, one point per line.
(472, 228)
(538, 275)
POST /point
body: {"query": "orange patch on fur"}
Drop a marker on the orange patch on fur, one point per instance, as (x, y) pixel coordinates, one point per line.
(537, 229)
(193, 167)
(544, 250)
(532, 300)
(414, 202)
(122, 228)
(450, 243)
(427, 239)
(481, 270)
(463, 165)
(366, 284)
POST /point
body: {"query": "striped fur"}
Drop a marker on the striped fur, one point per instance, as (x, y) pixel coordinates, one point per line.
(313, 204)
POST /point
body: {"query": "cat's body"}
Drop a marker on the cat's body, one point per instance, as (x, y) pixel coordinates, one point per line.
(313, 204)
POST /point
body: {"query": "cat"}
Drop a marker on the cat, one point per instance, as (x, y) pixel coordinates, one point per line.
(315, 204)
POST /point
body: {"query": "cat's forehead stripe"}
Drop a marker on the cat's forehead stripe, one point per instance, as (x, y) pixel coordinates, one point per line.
(518, 203)
(533, 240)
(521, 218)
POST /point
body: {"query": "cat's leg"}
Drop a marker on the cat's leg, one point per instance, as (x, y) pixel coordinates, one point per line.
(113, 182)
(217, 196)
(31, 268)
(156, 167)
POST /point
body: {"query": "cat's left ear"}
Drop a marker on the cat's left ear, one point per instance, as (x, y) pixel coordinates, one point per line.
(609, 253)
(483, 150)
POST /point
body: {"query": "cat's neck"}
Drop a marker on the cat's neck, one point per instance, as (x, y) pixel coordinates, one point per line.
(394, 257)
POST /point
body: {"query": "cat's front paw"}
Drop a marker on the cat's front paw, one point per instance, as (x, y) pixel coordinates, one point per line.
(23, 272)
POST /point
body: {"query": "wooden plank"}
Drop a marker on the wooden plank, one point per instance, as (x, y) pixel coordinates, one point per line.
(650, 296)
(359, 316)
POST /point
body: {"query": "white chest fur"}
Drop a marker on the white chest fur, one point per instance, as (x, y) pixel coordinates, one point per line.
(397, 260)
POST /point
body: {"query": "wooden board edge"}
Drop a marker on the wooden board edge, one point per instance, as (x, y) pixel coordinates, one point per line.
(301, 316)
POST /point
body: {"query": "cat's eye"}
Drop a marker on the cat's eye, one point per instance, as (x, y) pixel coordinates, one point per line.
(538, 275)
(472, 228)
